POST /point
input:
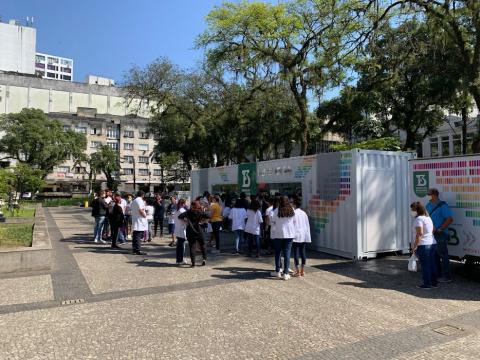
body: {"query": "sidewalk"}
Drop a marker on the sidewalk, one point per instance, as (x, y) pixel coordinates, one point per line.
(106, 304)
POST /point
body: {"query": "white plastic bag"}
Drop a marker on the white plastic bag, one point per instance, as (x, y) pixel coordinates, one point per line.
(412, 263)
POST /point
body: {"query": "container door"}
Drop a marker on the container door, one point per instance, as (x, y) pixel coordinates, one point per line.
(379, 210)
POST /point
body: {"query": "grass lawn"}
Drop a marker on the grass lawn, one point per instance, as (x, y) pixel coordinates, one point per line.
(16, 235)
(26, 211)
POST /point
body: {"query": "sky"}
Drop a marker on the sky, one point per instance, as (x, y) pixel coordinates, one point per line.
(108, 37)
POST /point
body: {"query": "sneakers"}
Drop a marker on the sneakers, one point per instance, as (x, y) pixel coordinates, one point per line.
(139, 253)
(276, 274)
(286, 277)
(181, 263)
(204, 262)
(100, 241)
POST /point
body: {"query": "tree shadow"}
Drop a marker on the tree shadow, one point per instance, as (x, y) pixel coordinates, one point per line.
(241, 273)
(391, 274)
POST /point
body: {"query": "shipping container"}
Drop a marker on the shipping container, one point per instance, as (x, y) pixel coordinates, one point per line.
(457, 178)
(357, 201)
(360, 206)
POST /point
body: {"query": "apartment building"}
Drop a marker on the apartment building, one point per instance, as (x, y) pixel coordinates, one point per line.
(98, 111)
(53, 67)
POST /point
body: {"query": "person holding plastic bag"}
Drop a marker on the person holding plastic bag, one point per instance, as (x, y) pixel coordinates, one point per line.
(424, 245)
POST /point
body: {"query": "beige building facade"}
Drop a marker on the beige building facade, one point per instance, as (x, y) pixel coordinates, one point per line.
(102, 114)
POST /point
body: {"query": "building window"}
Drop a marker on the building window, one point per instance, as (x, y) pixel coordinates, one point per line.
(81, 129)
(143, 147)
(143, 135)
(113, 145)
(128, 134)
(127, 171)
(95, 144)
(143, 159)
(66, 77)
(457, 144)
(433, 147)
(80, 170)
(63, 169)
(52, 60)
(143, 172)
(157, 172)
(40, 65)
(127, 146)
(52, 67)
(112, 132)
(66, 70)
(39, 58)
(40, 73)
(469, 143)
(129, 159)
(445, 145)
(66, 62)
(95, 131)
(50, 75)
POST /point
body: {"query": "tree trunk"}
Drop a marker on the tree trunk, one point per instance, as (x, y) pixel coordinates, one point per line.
(410, 141)
(301, 101)
(464, 129)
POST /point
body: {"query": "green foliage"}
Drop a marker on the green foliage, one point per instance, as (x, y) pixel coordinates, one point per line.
(385, 144)
(7, 182)
(28, 178)
(34, 139)
(106, 160)
(66, 202)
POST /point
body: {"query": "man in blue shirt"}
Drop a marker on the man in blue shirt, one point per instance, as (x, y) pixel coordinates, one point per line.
(441, 216)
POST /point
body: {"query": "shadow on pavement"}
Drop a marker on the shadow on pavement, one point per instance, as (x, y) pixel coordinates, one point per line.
(392, 274)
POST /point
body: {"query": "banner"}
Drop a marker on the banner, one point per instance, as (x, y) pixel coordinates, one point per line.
(247, 178)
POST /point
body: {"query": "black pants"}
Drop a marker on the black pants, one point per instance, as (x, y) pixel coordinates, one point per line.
(137, 237)
(115, 230)
(192, 243)
(156, 223)
(180, 249)
(216, 225)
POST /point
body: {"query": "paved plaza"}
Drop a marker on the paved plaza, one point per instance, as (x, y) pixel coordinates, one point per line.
(98, 303)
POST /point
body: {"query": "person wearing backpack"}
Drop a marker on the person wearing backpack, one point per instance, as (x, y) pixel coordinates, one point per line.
(441, 216)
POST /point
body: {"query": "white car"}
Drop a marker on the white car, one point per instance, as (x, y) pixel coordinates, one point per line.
(27, 196)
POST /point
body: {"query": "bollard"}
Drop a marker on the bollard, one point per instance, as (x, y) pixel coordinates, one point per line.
(86, 204)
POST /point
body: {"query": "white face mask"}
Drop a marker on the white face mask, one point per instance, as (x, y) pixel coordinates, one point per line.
(413, 213)
(430, 197)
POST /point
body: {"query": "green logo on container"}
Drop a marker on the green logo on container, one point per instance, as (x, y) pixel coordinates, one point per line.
(247, 178)
(420, 183)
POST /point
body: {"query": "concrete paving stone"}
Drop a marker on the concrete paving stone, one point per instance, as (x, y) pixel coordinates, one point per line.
(25, 290)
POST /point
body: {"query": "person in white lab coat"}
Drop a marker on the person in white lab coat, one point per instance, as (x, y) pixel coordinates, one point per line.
(301, 239)
(284, 230)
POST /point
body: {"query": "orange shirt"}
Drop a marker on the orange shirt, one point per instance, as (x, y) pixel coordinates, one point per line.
(216, 212)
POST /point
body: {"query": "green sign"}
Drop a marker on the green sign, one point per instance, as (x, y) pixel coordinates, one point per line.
(421, 183)
(247, 178)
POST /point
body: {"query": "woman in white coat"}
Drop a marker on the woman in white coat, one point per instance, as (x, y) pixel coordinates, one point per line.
(302, 237)
(284, 230)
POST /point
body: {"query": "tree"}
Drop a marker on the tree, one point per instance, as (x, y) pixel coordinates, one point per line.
(7, 182)
(27, 178)
(42, 143)
(106, 160)
(304, 42)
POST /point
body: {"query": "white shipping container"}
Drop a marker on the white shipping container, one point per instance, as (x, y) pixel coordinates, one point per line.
(360, 206)
(357, 201)
(457, 178)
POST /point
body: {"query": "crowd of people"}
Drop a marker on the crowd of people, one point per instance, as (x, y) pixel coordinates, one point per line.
(273, 225)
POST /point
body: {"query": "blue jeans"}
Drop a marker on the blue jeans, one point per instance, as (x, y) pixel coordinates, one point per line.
(426, 255)
(285, 246)
(442, 260)
(252, 238)
(238, 240)
(97, 232)
(299, 252)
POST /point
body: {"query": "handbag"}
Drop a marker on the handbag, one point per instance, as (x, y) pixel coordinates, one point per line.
(412, 263)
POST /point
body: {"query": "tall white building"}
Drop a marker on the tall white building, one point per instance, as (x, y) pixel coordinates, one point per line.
(17, 48)
(53, 67)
